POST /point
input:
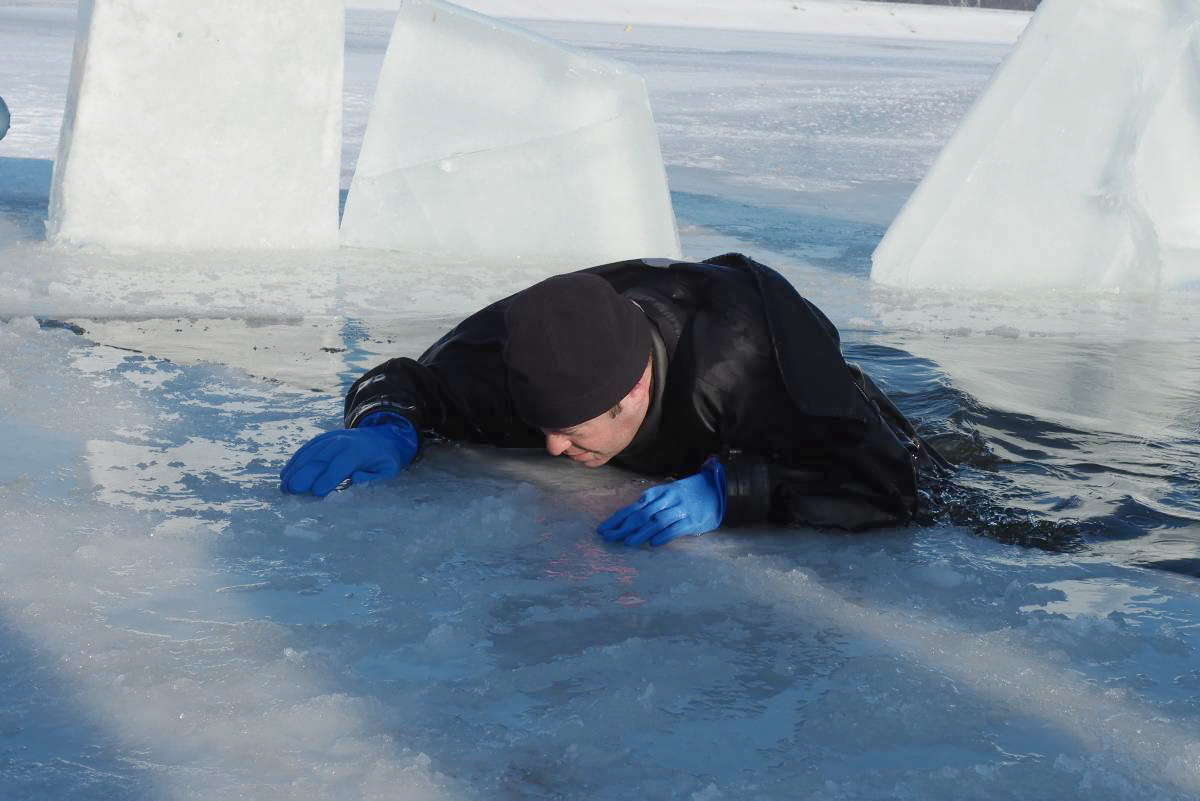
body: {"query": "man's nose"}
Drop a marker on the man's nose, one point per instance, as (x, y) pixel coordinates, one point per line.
(557, 444)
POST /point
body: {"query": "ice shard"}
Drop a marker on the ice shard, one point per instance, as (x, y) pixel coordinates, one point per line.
(486, 141)
(202, 126)
(1079, 166)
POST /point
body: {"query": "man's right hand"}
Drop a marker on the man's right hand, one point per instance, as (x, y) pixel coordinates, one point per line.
(382, 446)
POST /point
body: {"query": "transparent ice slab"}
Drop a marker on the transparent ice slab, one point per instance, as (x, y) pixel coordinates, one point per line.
(1076, 168)
(486, 141)
(200, 126)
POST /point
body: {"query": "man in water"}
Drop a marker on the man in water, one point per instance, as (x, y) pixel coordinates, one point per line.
(715, 371)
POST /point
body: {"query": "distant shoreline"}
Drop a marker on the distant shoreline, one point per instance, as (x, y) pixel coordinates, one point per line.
(874, 18)
(932, 20)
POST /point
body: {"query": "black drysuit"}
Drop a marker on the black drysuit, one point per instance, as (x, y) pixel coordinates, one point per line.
(744, 368)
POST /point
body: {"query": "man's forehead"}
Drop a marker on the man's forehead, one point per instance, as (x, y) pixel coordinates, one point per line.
(568, 430)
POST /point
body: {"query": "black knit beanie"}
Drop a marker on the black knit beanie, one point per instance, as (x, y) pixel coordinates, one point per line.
(575, 348)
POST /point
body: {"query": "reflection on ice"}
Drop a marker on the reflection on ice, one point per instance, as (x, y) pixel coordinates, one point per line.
(1100, 598)
(1144, 388)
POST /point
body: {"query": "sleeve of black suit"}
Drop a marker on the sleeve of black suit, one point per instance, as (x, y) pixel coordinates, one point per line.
(457, 389)
(851, 480)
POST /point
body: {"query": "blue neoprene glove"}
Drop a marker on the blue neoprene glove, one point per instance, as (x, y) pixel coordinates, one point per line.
(380, 447)
(693, 505)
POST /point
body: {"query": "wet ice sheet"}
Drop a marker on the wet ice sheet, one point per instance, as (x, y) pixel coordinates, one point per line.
(177, 629)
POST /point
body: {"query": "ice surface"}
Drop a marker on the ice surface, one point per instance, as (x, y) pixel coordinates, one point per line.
(173, 628)
(202, 126)
(489, 142)
(1076, 168)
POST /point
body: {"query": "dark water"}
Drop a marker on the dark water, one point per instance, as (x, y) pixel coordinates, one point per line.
(1128, 484)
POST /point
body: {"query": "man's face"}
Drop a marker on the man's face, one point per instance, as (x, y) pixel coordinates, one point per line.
(593, 442)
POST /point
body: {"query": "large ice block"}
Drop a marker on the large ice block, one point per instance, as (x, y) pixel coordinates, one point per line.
(195, 125)
(486, 141)
(1078, 167)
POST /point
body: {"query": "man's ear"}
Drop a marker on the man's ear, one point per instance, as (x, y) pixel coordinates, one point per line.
(640, 390)
(630, 399)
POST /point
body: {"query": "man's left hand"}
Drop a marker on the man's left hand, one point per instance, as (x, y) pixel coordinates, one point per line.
(693, 505)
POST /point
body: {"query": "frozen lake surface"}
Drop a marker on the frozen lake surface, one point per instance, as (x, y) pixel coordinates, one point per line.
(172, 627)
